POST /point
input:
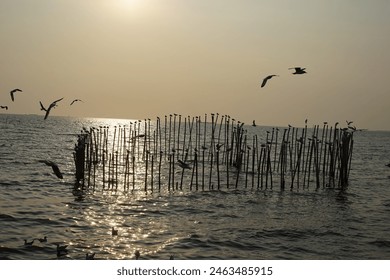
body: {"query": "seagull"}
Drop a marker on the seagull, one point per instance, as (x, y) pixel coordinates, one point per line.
(13, 91)
(183, 165)
(137, 254)
(75, 101)
(61, 250)
(219, 146)
(298, 70)
(90, 256)
(114, 231)
(52, 105)
(253, 123)
(42, 239)
(4, 107)
(54, 166)
(28, 243)
(266, 79)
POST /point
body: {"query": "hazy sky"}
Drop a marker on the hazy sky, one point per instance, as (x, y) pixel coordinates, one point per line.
(147, 58)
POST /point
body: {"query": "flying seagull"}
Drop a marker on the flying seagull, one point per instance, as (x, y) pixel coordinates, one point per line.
(298, 70)
(183, 165)
(13, 91)
(4, 107)
(266, 79)
(76, 101)
(52, 105)
(54, 166)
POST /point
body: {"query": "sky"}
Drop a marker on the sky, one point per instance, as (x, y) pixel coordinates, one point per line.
(136, 59)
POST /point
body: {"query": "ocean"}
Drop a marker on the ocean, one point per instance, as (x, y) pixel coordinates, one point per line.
(230, 223)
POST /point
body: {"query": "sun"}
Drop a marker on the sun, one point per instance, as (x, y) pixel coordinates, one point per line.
(129, 4)
(126, 6)
(127, 10)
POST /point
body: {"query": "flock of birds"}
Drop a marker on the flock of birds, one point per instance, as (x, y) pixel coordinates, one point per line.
(47, 110)
(298, 71)
(56, 170)
(62, 250)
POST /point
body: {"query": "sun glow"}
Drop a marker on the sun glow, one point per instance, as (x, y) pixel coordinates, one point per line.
(129, 4)
(128, 8)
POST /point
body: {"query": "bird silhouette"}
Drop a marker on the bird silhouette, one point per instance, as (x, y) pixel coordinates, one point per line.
(51, 106)
(253, 123)
(54, 166)
(90, 256)
(183, 165)
(4, 107)
(75, 100)
(266, 79)
(42, 107)
(29, 243)
(298, 70)
(44, 239)
(12, 93)
(137, 254)
(114, 231)
(61, 250)
(61, 247)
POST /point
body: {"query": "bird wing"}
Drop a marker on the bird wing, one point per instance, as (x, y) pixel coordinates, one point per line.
(264, 81)
(54, 166)
(42, 107)
(73, 101)
(12, 96)
(52, 105)
(47, 112)
(58, 100)
(56, 170)
(45, 162)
